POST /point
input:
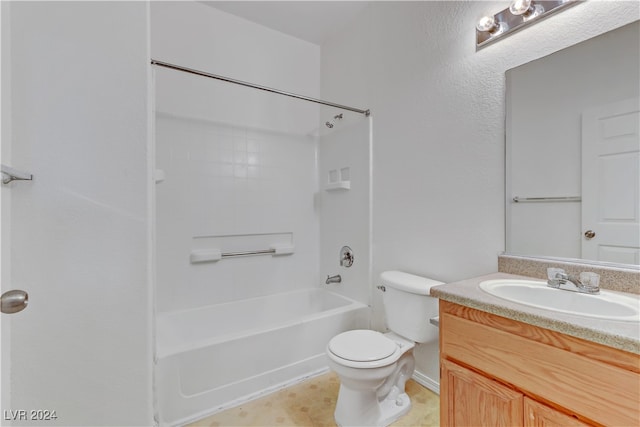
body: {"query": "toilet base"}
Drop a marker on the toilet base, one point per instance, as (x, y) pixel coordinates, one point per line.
(391, 411)
(362, 413)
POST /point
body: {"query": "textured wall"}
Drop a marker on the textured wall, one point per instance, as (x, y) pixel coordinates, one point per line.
(438, 125)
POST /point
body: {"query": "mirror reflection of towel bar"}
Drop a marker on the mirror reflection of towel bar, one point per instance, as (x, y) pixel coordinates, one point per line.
(547, 199)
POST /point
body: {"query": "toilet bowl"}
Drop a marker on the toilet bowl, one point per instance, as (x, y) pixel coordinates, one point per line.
(373, 367)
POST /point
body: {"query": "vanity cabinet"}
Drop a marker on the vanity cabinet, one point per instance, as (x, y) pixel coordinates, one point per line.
(500, 372)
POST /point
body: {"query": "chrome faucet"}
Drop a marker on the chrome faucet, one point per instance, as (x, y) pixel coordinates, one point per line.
(333, 279)
(587, 283)
(346, 257)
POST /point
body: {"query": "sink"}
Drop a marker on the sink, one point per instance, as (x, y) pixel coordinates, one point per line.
(534, 293)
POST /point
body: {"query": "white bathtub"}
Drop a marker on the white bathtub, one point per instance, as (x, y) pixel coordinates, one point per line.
(215, 357)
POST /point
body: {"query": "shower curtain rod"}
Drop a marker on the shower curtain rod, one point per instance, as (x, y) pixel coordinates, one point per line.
(254, 86)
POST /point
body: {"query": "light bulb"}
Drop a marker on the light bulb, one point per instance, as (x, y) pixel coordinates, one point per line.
(520, 7)
(526, 8)
(486, 24)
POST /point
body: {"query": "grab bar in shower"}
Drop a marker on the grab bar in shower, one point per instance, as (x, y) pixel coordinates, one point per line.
(216, 255)
(247, 253)
(546, 199)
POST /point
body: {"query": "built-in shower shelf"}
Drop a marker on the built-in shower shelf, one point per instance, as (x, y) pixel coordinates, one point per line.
(339, 179)
(338, 186)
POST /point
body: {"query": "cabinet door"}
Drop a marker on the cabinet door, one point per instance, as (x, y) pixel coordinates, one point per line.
(539, 415)
(470, 399)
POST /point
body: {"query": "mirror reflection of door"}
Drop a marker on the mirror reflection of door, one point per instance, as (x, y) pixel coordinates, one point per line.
(611, 182)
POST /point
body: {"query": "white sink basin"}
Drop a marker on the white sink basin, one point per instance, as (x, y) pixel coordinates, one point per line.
(606, 305)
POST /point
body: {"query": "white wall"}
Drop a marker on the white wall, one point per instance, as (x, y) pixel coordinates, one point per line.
(438, 133)
(79, 231)
(545, 102)
(240, 164)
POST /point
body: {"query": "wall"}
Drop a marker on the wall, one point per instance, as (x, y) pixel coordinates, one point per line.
(438, 132)
(79, 230)
(545, 102)
(240, 164)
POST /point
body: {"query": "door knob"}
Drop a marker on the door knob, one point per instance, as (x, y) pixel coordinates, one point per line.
(589, 234)
(13, 301)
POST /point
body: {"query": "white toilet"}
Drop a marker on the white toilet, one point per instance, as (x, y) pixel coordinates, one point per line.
(373, 367)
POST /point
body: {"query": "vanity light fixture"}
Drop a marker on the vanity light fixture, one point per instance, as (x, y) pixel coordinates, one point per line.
(519, 14)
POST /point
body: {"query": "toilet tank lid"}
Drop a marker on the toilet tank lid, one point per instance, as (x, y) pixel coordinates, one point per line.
(408, 282)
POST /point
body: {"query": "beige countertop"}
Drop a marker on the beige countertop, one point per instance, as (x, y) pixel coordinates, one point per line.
(616, 334)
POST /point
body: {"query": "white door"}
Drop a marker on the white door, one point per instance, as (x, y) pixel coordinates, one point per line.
(611, 182)
(24, 348)
(76, 237)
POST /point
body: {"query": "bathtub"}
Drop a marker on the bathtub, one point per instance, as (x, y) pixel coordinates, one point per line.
(215, 357)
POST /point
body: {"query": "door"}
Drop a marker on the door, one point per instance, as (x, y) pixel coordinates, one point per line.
(611, 182)
(470, 399)
(75, 114)
(13, 228)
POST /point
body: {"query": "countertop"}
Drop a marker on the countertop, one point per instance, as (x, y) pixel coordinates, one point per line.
(621, 335)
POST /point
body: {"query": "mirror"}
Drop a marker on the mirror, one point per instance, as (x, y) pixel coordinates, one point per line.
(572, 152)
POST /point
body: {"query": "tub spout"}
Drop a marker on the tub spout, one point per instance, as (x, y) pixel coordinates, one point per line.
(333, 279)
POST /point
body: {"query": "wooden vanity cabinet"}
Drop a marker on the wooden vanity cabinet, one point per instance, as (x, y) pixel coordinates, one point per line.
(499, 372)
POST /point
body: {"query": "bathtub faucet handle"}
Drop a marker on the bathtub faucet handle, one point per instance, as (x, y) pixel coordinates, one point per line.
(333, 279)
(346, 257)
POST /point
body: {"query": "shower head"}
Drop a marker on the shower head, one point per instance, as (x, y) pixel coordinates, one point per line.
(336, 117)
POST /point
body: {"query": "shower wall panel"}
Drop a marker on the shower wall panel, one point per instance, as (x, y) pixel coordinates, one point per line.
(239, 164)
(231, 188)
(345, 214)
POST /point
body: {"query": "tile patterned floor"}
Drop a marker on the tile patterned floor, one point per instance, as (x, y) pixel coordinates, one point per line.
(312, 402)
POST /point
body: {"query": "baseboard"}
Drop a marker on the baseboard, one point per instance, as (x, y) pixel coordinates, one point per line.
(427, 382)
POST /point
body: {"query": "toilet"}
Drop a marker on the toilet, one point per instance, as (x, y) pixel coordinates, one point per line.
(374, 367)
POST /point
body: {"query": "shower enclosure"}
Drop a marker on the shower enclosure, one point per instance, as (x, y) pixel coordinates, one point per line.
(255, 197)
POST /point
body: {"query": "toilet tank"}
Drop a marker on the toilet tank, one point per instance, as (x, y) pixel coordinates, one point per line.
(408, 305)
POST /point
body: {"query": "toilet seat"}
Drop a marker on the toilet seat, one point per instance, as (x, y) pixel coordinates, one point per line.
(363, 348)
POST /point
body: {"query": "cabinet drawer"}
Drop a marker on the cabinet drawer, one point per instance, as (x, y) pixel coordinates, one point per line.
(596, 390)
